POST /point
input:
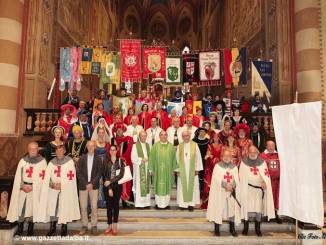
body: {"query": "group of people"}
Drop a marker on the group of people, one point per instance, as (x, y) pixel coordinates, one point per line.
(219, 166)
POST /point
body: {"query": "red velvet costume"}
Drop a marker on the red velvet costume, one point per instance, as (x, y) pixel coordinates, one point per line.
(273, 164)
(163, 119)
(243, 143)
(67, 120)
(215, 151)
(145, 119)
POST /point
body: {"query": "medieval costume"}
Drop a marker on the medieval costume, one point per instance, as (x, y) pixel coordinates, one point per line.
(242, 131)
(76, 147)
(255, 200)
(52, 145)
(30, 171)
(68, 117)
(162, 118)
(224, 204)
(59, 206)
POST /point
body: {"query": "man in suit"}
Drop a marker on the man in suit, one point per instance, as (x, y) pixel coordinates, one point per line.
(88, 173)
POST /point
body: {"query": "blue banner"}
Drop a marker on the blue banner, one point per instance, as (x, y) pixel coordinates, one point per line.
(265, 69)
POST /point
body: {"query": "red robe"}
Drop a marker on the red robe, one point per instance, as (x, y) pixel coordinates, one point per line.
(223, 135)
(209, 166)
(126, 187)
(244, 145)
(110, 118)
(273, 164)
(164, 121)
(197, 119)
(66, 122)
(127, 120)
(145, 121)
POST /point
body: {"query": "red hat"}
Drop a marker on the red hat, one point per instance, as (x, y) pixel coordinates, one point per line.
(243, 126)
(116, 126)
(68, 107)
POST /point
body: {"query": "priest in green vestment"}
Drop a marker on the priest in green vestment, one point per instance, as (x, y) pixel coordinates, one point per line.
(162, 163)
(141, 179)
(189, 164)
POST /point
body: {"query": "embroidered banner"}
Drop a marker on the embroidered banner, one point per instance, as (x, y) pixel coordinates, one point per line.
(173, 70)
(261, 77)
(209, 68)
(85, 66)
(110, 68)
(124, 103)
(190, 68)
(175, 106)
(130, 60)
(154, 62)
(65, 68)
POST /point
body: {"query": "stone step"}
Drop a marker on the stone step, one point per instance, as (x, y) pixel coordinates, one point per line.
(167, 237)
(172, 224)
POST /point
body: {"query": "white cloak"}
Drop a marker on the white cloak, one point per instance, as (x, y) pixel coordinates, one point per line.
(140, 201)
(219, 199)
(32, 198)
(192, 130)
(171, 131)
(68, 205)
(156, 134)
(198, 167)
(133, 132)
(267, 208)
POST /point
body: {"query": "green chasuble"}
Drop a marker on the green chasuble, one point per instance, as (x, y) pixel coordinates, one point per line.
(162, 162)
(187, 184)
(143, 175)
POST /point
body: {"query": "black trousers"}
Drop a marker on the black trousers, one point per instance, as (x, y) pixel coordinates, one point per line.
(112, 203)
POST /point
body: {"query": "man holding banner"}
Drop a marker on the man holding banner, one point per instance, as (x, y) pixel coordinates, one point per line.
(256, 190)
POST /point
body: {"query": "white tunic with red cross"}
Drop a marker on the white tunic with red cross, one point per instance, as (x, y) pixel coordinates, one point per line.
(254, 194)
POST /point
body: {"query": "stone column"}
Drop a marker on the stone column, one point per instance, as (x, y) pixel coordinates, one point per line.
(307, 41)
(11, 18)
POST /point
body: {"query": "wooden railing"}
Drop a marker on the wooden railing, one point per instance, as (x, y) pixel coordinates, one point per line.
(40, 121)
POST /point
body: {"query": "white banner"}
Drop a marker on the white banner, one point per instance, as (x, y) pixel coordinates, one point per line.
(209, 66)
(173, 72)
(298, 137)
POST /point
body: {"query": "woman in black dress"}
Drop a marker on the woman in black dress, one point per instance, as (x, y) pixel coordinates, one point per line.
(113, 171)
(58, 132)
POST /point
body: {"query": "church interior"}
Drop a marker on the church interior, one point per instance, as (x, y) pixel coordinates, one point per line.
(290, 33)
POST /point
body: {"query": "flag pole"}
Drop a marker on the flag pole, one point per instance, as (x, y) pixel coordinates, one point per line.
(296, 232)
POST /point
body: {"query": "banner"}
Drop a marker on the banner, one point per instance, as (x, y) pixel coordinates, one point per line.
(175, 106)
(85, 66)
(110, 68)
(124, 103)
(298, 130)
(65, 68)
(154, 62)
(190, 68)
(209, 68)
(196, 103)
(173, 70)
(130, 60)
(227, 72)
(261, 78)
(243, 59)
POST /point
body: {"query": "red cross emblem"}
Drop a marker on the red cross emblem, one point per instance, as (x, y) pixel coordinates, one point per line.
(29, 172)
(70, 175)
(254, 170)
(228, 177)
(266, 172)
(42, 174)
(58, 171)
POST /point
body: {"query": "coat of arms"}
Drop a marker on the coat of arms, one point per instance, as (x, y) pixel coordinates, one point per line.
(130, 60)
(172, 73)
(154, 63)
(190, 67)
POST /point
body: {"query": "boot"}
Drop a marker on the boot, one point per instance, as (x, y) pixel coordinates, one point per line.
(245, 228)
(232, 229)
(64, 231)
(30, 229)
(217, 229)
(53, 228)
(257, 228)
(20, 229)
(277, 218)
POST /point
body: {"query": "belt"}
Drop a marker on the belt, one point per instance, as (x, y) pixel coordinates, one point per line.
(258, 187)
(27, 183)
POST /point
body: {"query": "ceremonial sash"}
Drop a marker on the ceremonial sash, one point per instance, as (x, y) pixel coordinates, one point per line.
(187, 190)
(144, 185)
